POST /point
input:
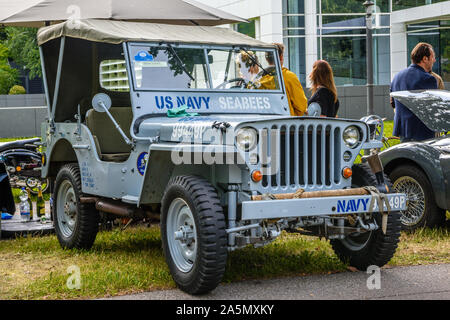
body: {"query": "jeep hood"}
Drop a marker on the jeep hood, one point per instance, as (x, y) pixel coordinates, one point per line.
(430, 106)
(207, 129)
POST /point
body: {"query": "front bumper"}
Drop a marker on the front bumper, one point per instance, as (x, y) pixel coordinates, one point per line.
(329, 206)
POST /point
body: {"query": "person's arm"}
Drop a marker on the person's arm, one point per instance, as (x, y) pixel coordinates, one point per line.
(296, 94)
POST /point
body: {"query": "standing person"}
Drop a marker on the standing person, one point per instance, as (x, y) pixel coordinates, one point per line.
(323, 89)
(294, 90)
(417, 76)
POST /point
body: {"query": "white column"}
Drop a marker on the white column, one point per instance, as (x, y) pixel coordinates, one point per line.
(399, 54)
(310, 37)
(271, 20)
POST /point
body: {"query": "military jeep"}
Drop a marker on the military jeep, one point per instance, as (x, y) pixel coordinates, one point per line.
(148, 119)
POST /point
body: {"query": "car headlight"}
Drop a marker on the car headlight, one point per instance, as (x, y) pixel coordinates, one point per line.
(246, 138)
(352, 137)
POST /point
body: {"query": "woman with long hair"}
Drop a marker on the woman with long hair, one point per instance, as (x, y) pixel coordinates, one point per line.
(323, 89)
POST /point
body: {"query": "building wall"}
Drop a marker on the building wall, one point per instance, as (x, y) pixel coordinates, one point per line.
(22, 115)
(269, 15)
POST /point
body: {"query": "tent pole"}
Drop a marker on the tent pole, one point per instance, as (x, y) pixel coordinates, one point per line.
(44, 79)
(58, 76)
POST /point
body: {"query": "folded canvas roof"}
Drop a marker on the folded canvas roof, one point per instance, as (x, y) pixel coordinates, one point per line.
(116, 32)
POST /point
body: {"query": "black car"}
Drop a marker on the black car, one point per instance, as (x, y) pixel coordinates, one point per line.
(422, 169)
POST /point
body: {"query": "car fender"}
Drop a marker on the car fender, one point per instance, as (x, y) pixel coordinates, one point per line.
(423, 156)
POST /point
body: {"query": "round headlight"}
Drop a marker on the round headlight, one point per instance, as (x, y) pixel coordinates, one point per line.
(246, 138)
(352, 137)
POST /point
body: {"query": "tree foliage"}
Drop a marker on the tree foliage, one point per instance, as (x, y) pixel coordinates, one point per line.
(23, 49)
(8, 75)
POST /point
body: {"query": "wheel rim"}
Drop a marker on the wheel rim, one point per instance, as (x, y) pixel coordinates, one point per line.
(66, 208)
(415, 200)
(181, 235)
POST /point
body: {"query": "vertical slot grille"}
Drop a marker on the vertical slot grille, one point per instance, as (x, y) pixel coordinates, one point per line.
(300, 156)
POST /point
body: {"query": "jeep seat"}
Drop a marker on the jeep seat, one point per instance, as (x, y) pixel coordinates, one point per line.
(108, 141)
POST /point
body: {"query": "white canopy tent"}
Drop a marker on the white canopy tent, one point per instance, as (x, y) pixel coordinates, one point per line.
(37, 13)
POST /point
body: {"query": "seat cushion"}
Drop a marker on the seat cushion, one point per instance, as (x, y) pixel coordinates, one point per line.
(109, 138)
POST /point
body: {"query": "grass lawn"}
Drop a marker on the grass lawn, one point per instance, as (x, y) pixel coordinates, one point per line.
(130, 261)
(123, 262)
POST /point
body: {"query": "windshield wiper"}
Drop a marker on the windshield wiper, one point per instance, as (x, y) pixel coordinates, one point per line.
(179, 61)
(254, 60)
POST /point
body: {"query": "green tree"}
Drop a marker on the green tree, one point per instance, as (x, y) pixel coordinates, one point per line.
(8, 75)
(23, 49)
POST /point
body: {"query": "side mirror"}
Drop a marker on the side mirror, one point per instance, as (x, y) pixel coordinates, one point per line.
(101, 102)
(314, 110)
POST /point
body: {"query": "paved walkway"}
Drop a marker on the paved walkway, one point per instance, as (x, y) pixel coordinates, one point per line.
(399, 283)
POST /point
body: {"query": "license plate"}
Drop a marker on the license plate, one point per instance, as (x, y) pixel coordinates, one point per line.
(396, 202)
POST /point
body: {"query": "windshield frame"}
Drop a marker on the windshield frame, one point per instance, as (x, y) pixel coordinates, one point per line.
(205, 47)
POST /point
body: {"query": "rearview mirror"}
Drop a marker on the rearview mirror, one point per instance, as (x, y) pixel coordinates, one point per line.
(101, 102)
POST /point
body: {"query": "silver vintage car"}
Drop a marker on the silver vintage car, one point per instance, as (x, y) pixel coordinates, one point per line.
(192, 123)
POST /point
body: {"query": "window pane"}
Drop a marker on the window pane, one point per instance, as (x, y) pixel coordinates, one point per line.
(347, 57)
(296, 21)
(343, 21)
(351, 6)
(294, 32)
(296, 6)
(343, 31)
(162, 68)
(445, 54)
(382, 60)
(296, 48)
(334, 21)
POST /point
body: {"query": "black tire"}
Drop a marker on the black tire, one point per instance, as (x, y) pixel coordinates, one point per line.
(373, 247)
(86, 218)
(210, 253)
(421, 213)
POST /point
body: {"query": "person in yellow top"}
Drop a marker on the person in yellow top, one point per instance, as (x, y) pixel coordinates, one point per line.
(294, 90)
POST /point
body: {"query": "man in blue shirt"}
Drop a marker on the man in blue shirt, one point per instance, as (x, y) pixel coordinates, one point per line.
(417, 76)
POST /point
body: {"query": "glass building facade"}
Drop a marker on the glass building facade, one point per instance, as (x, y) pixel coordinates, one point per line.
(341, 38)
(335, 30)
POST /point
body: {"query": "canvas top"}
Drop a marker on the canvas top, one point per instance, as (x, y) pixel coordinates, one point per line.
(116, 32)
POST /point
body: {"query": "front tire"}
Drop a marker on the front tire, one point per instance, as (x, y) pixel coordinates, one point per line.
(422, 209)
(193, 234)
(76, 224)
(372, 247)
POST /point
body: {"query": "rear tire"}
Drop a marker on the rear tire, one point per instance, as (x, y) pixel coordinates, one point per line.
(373, 247)
(76, 224)
(197, 260)
(422, 208)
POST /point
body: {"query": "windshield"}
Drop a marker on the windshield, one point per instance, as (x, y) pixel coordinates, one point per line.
(167, 67)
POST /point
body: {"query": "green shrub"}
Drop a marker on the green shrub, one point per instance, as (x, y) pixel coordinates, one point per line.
(8, 75)
(17, 90)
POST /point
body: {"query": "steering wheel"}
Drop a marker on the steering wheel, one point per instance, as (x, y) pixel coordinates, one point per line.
(223, 84)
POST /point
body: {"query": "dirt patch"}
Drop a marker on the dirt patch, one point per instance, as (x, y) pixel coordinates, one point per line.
(19, 269)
